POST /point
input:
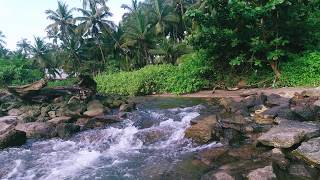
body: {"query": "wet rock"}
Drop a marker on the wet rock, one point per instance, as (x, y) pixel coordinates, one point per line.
(98, 121)
(265, 173)
(289, 133)
(95, 108)
(279, 159)
(151, 136)
(232, 137)
(72, 110)
(202, 132)
(309, 151)
(209, 156)
(277, 100)
(244, 152)
(59, 120)
(304, 112)
(12, 138)
(37, 129)
(128, 107)
(300, 171)
(9, 136)
(66, 130)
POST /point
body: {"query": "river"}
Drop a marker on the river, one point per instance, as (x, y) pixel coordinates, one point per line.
(149, 144)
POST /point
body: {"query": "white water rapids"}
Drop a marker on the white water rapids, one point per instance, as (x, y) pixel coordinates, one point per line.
(147, 145)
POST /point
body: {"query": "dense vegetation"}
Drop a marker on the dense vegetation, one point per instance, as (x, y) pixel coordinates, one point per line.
(180, 46)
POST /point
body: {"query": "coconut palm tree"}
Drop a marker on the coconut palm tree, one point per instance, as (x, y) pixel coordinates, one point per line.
(138, 36)
(93, 22)
(62, 20)
(40, 52)
(2, 41)
(24, 47)
(164, 14)
(93, 3)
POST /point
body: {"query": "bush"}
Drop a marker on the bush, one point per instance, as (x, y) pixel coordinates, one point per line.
(62, 83)
(17, 72)
(302, 70)
(185, 78)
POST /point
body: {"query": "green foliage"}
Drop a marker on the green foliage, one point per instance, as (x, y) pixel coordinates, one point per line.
(189, 76)
(62, 83)
(248, 34)
(301, 70)
(19, 71)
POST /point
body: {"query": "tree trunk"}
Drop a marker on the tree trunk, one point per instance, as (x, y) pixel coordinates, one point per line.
(102, 54)
(275, 69)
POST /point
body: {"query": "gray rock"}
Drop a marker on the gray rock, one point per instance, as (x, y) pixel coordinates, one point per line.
(202, 132)
(265, 173)
(277, 100)
(66, 130)
(299, 171)
(7, 123)
(289, 133)
(37, 129)
(95, 108)
(12, 138)
(309, 151)
(59, 120)
(9, 136)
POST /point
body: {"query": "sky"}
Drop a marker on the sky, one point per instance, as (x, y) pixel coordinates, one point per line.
(26, 18)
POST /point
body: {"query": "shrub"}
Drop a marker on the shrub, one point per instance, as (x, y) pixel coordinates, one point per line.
(301, 70)
(64, 82)
(185, 78)
(16, 72)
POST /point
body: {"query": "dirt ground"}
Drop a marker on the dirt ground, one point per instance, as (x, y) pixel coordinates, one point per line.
(285, 92)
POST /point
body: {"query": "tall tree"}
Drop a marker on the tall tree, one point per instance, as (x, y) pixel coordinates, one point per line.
(24, 47)
(40, 52)
(62, 20)
(2, 37)
(93, 22)
(138, 35)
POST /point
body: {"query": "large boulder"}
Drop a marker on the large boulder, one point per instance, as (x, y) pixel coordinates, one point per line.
(12, 138)
(9, 136)
(202, 132)
(289, 133)
(265, 173)
(95, 108)
(37, 129)
(309, 151)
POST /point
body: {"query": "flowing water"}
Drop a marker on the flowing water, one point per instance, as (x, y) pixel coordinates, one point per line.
(149, 144)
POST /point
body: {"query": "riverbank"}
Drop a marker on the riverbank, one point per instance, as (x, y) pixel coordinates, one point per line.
(285, 92)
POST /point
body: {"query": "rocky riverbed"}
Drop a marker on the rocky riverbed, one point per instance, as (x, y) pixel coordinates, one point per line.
(254, 137)
(263, 137)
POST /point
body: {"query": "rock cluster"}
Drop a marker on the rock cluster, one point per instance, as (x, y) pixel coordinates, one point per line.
(263, 137)
(58, 117)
